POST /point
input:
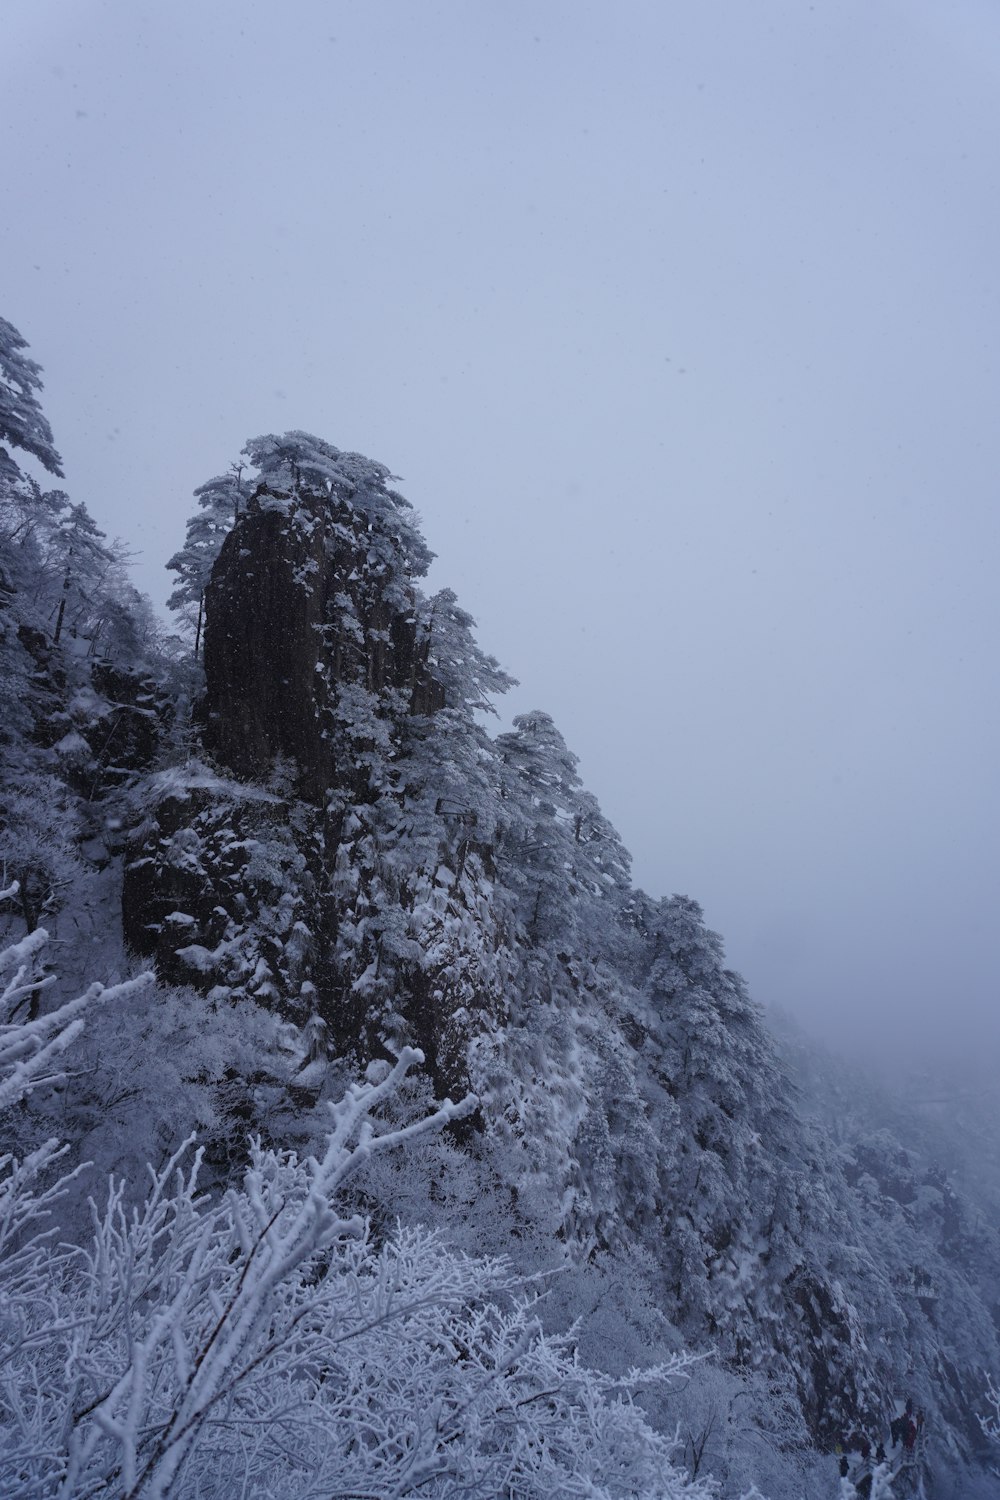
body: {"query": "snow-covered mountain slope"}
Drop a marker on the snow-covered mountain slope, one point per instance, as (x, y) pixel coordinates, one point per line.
(326, 857)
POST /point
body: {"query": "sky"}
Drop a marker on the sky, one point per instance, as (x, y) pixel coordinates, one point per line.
(680, 324)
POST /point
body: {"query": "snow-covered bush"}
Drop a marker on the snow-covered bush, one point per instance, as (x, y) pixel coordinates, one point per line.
(28, 1049)
(263, 1342)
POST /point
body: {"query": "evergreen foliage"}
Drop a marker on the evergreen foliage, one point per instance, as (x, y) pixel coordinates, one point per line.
(329, 860)
(22, 422)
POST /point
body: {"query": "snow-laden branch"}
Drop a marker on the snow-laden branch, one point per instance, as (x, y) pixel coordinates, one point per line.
(264, 1343)
(28, 1049)
(989, 1420)
(223, 1273)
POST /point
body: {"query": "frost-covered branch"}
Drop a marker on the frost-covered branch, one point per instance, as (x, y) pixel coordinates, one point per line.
(989, 1420)
(29, 1048)
(263, 1343)
(225, 1314)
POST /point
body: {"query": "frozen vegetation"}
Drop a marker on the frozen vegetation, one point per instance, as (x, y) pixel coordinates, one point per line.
(273, 898)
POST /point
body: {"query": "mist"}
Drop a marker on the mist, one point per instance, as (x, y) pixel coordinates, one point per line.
(681, 329)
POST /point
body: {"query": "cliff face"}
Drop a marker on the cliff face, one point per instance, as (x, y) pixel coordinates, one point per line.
(296, 610)
(284, 868)
(358, 855)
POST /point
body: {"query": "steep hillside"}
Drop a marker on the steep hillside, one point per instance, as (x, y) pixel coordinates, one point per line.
(381, 871)
(308, 831)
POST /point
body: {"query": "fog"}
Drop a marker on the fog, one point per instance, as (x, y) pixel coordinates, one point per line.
(680, 324)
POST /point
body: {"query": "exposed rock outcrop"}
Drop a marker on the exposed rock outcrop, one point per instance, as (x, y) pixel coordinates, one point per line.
(284, 869)
(295, 611)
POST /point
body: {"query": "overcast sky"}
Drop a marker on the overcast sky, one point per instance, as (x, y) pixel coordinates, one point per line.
(680, 322)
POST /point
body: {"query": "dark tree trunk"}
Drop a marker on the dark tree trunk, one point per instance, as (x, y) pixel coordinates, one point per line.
(29, 910)
(62, 610)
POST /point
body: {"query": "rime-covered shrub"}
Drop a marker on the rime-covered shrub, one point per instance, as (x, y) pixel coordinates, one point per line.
(265, 1342)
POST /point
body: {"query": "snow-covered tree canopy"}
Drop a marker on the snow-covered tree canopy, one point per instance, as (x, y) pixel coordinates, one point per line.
(295, 466)
(22, 422)
(220, 500)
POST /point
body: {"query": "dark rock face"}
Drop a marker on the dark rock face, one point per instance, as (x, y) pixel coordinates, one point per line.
(292, 614)
(279, 872)
(121, 721)
(138, 710)
(46, 686)
(219, 893)
(264, 642)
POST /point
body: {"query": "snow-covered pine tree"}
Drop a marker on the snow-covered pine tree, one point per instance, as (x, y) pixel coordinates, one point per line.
(561, 856)
(220, 502)
(81, 668)
(23, 507)
(22, 422)
(79, 554)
